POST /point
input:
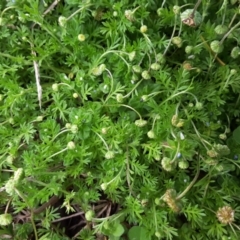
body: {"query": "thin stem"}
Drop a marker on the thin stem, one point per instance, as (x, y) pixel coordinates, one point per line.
(63, 131)
(191, 184)
(65, 149)
(228, 33)
(79, 10)
(102, 140)
(173, 32)
(132, 109)
(128, 94)
(110, 92)
(6, 9)
(8, 204)
(195, 8)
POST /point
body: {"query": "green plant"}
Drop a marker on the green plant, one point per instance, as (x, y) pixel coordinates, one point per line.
(122, 116)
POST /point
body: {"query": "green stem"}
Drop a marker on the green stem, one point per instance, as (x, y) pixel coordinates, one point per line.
(128, 94)
(191, 184)
(102, 140)
(65, 149)
(79, 10)
(132, 109)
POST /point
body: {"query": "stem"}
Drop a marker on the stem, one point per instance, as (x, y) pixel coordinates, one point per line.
(191, 184)
(65, 149)
(102, 140)
(34, 226)
(173, 32)
(51, 202)
(132, 109)
(211, 51)
(79, 10)
(8, 204)
(128, 94)
(195, 8)
(227, 34)
(63, 131)
(115, 52)
(110, 92)
(6, 9)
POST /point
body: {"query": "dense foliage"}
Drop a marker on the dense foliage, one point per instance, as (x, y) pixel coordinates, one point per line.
(119, 119)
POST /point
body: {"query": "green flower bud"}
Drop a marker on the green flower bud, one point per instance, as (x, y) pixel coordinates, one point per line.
(151, 134)
(166, 164)
(188, 49)
(216, 46)
(158, 234)
(221, 29)
(183, 164)
(160, 58)
(55, 87)
(198, 106)
(71, 145)
(219, 167)
(144, 98)
(131, 56)
(74, 128)
(176, 9)
(233, 71)
(119, 97)
(62, 21)
(143, 29)
(104, 186)
(97, 71)
(68, 125)
(89, 215)
(109, 155)
(144, 202)
(104, 130)
(157, 157)
(5, 219)
(212, 153)
(140, 122)
(235, 52)
(136, 68)
(223, 136)
(115, 13)
(39, 118)
(18, 174)
(11, 121)
(75, 95)
(177, 41)
(10, 186)
(180, 123)
(191, 105)
(129, 15)
(9, 159)
(155, 66)
(146, 75)
(222, 149)
(81, 37)
(160, 11)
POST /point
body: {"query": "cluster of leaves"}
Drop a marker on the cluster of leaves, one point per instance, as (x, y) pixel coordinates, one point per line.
(135, 103)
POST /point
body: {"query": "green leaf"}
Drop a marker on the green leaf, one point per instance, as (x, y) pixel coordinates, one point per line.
(236, 134)
(138, 233)
(118, 230)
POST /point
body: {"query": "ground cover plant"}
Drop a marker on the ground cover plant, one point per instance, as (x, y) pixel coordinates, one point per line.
(119, 119)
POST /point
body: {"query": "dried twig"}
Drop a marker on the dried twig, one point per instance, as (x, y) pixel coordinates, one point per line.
(37, 77)
(51, 7)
